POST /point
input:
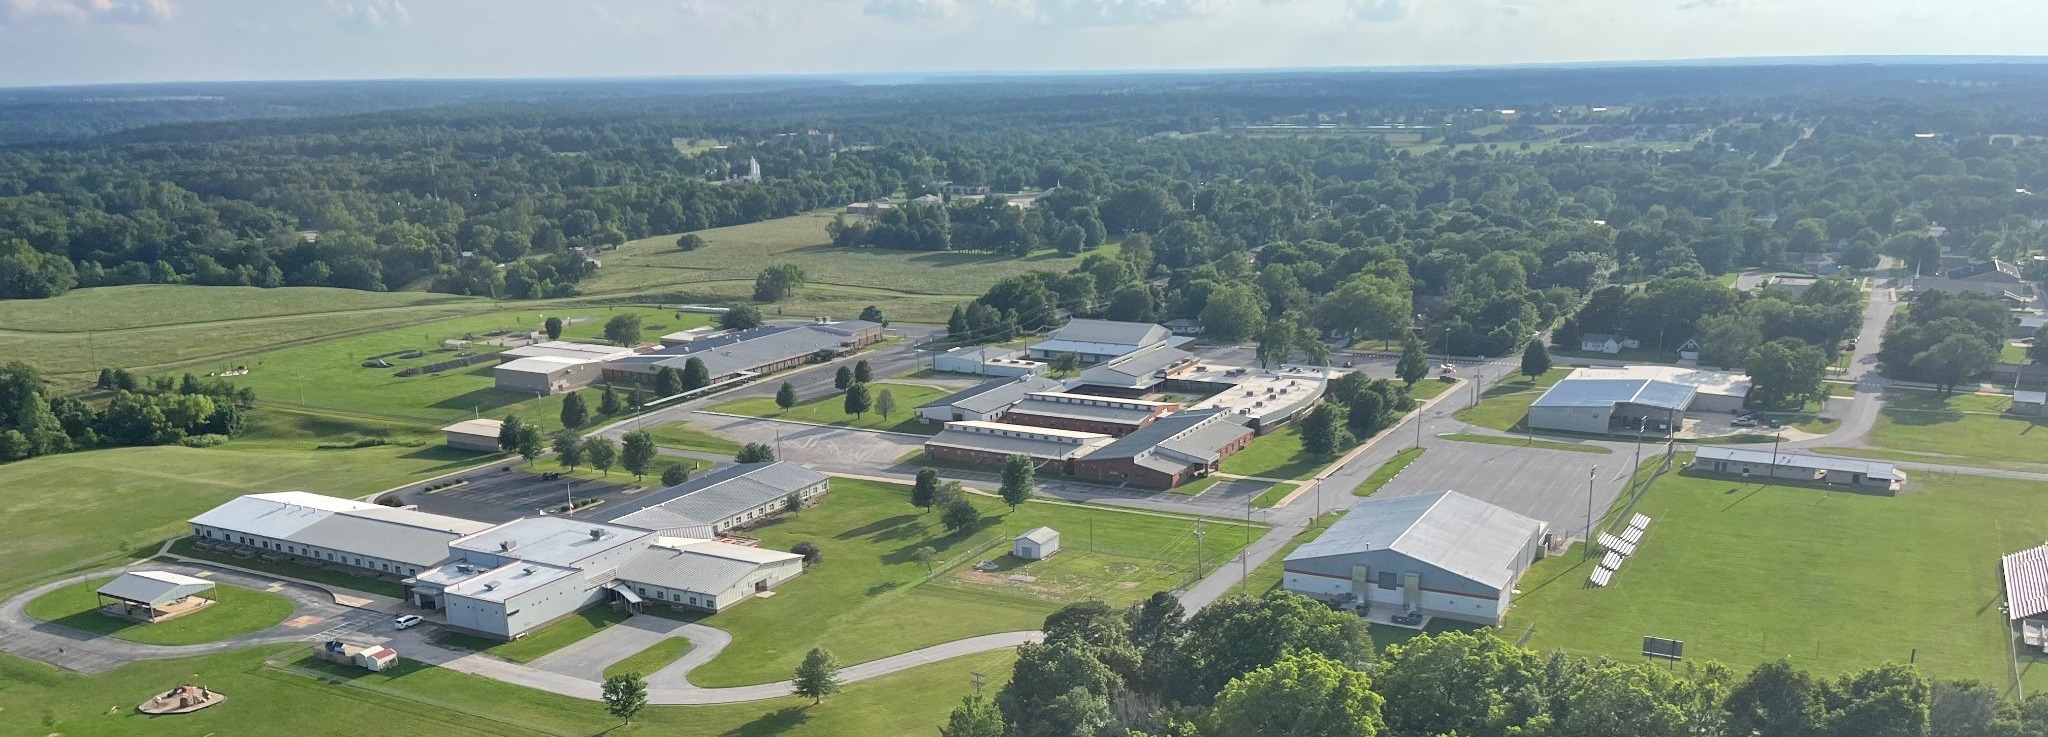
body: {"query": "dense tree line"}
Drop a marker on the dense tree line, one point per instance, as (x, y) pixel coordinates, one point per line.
(1944, 338)
(160, 410)
(1286, 665)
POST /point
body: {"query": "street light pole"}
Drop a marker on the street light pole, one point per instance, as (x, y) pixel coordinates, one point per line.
(1198, 550)
(1591, 474)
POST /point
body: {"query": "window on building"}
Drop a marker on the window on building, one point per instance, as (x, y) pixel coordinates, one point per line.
(1388, 580)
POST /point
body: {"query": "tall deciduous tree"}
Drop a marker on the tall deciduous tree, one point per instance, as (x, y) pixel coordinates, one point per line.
(674, 473)
(1535, 359)
(623, 330)
(689, 242)
(1303, 695)
(1018, 476)
(885, 403)
(568, 449)
(1323, 432)
(755, 453)
(508, 433)
(1785, 370)
(818, 676)
(602, 452)
(1459, 683)
(637, 453)
(1232, 314)
(785, 396)
(608, 403)
(740, 317)
(858, 400)
(529, 443)
(1065, 363)
(574, 411)
(553, 327)
(1414, 364)
(695, 374)
(874, 314)
(960, 514)
(924, 491)
(668, 382)
(843, 378)
(778, 282)
(862, 372)
(974, 717)
(625, 695)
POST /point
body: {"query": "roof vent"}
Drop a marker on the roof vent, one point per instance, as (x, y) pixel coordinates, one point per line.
(507, 544)
(527, 570)
(597, 533)
(492, 586)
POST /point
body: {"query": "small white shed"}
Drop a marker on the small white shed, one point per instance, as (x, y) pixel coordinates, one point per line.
(1037, 544)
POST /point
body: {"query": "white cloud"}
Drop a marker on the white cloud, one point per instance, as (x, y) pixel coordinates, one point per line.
(87, 11)
(1377, 11)
(1050, 12)
(370, 16)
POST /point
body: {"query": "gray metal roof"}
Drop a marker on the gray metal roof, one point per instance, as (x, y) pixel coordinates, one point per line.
(556, 541)
(275, 514)
(698, 568)
(1448, 530)
(1008, 445)
(745, 350)
(2027, 397)
(1040, 535)
(154, 588)
(993, 395)
(1077, 411)
(404, 535)
(1130, 334)
(1609, 392)
(2026, 582)
(1193, 436)
(715, 496)
(1138, 368)
(1872, 469)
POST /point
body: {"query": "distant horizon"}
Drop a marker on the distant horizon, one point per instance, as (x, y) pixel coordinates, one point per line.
(920, 77)
(46, 43)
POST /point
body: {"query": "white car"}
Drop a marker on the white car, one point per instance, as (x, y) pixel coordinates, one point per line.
(406, 621)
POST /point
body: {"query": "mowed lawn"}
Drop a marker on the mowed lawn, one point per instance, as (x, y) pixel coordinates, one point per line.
(681, 435)
(869, 598)
(304, 697)
(909, 285)
(656, 657)
(1831, 580)
(235, 611)
(77, 510)
(1275, 455)
(105, 309)
(541, 641)
(1504, 406)
(1962, 429)
(329, 376)
(831, 409)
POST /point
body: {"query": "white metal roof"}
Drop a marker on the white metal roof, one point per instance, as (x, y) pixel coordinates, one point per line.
(1872, 469)
(580, 352)
(275, 514)
(2029, 397)
(404, 535)
(2026, 582)
(560, 541)
(703, 566)
(1041, 535)
(540, 365)
(154, 587)
(719, 495)
(1108, 332)
(480, 427)
(1461, 535)
(507, 581)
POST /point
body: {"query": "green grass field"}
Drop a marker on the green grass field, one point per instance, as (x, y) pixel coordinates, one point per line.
(920, 286)
(541, 641)
(831, 409)
(1427, 389)
(1504, 406)
(869, 598)
(236, 611)
(1466, 437)
(79, 510)
(1746, 572)
(305, 697)
(328, 377)
(1275, 455)
(654, 658)
(680, 435)
(1386, 472)
(104, 309)
(1961, 429)
(1273, 494)
(1267, 576)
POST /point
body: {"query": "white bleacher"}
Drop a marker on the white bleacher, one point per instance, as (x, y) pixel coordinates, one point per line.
(1616, 544)
(1612, 562)
(1632, 536)
(1639, 522)
(1601, 576)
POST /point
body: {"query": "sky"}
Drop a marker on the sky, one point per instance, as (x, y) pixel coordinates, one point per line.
(47, 42)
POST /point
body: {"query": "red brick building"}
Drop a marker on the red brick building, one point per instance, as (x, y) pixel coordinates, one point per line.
(992, 444)
(1169, 452)
(1086, 413)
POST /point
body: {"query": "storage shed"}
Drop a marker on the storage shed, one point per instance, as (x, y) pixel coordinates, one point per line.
(1038, 544)
(152, 596)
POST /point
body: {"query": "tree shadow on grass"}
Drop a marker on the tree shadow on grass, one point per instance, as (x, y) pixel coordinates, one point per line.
(772, 723)
(1919, 409)
(884, 526)
(483, 400)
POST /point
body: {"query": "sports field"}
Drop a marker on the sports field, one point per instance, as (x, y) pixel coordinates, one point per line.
(1831, 580)
(329, 377)
(1960, 429)
(283, 690)
(869, 598)
(79, 510)
(917, 286)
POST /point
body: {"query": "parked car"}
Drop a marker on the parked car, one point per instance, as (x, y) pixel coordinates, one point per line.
(1744, 421)
(406, 621)
(1776, 424)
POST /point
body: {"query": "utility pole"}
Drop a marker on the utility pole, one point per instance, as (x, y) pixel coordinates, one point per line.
(1198, 550)
(978, 683)
(1244, 557)
(1775, 439)
(1591, 474)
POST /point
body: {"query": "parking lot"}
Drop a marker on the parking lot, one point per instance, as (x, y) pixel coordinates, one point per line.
(1548, 485)
(506, 495)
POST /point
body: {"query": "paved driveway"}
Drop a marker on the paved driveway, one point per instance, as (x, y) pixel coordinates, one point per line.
(829, 446)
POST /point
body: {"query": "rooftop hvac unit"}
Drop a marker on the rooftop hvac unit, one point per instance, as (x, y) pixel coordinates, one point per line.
(597, 533)
(492, 586)
(507, 544)
(464, 568)
(527, 570)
